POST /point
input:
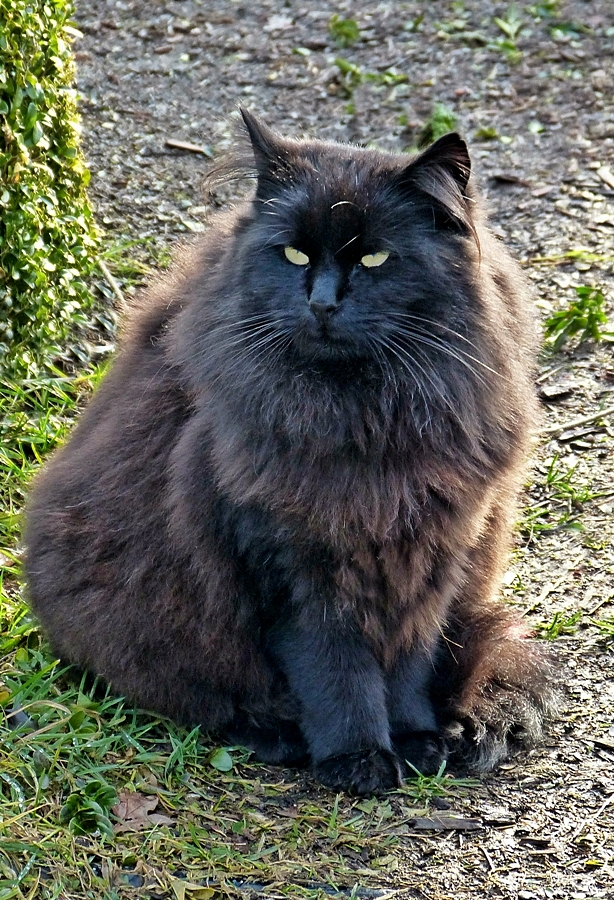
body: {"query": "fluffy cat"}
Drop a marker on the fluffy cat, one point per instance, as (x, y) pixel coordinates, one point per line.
(285, 514)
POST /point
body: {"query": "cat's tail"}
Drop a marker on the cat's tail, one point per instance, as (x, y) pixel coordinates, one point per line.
(495, 686)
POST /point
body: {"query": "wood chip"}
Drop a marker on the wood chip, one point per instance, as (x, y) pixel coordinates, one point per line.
(605, 173)
(555, 392)
(543, 190)
(501, 818)
(574, 434)
(603, 743)
(509, 178)
(191, 148)
(445, 823)
(542, 843)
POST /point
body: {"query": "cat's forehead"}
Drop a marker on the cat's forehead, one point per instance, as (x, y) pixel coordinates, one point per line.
(335, 185)
(343, 175)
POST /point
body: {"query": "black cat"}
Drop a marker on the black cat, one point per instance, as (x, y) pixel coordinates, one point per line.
(285, 514)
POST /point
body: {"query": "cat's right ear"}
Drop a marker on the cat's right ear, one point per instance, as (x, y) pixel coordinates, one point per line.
(271, 153)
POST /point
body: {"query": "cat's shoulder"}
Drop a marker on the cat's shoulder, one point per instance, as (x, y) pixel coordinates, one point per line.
(152, 311)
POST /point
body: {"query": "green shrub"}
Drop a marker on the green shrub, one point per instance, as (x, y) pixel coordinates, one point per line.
(47, 237)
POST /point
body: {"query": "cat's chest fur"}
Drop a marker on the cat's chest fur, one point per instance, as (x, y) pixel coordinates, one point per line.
(376, 521)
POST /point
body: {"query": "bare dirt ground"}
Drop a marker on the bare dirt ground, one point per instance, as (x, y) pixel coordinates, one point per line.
(539, 117)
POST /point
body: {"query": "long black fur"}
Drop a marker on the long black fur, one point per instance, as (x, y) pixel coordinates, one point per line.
(285, 514)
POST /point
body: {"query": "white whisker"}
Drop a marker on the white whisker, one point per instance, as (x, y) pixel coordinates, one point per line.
(444, 346)
(429, 340)
(347, 244)
(406, 361)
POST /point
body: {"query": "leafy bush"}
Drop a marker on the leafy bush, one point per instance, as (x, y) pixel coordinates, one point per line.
(47, 237)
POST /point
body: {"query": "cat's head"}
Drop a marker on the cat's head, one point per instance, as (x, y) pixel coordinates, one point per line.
(350, 253)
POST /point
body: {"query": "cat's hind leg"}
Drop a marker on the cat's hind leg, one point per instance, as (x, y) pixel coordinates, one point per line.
(498, 686)
(494, 686)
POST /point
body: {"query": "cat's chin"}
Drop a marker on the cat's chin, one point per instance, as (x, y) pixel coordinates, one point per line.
(326, 348)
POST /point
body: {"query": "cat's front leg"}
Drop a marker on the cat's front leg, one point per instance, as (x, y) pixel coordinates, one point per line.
(413, 724)
(342, 693)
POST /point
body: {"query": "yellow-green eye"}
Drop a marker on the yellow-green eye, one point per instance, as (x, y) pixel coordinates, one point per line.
(296, 257)
(371, 260)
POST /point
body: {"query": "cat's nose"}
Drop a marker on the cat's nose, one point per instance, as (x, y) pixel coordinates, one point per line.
(322, 309)
(323, 301)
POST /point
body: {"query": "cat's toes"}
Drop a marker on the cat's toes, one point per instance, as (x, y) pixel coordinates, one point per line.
(421, 750)
(501, 722)
(364, 772)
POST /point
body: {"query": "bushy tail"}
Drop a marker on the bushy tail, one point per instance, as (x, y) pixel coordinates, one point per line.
(495, 686)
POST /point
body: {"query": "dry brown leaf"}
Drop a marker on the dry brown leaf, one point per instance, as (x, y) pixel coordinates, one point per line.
(135, 812)
(289, 812)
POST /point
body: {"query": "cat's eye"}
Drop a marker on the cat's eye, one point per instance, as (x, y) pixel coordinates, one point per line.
(372, 260)
(296, 257)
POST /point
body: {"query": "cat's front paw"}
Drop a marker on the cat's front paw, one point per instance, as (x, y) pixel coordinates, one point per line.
(363, 772)
(421, 750)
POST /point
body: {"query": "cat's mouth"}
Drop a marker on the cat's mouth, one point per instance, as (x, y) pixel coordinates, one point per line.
(326, 341)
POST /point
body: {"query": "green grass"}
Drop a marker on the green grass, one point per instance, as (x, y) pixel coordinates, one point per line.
(441, 121)
(559, 624)
(558, 501)
(77, 747)
(345, 32)
(35, 414)
(604, 626)
(511, 25)
(351, 75)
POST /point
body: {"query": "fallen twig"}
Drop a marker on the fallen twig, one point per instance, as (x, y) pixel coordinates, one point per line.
(545, 375)
(592, 818)
(606, 176)
(562, 259)
(491, 864)
(576, 423)
(113, 285)
(191, 148)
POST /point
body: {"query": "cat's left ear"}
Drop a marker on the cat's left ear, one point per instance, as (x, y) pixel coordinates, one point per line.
(442, 172)
(271, 152)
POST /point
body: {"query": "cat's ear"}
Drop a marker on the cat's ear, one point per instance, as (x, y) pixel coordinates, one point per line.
(271, 152)
(442, 172)
(450, 154)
